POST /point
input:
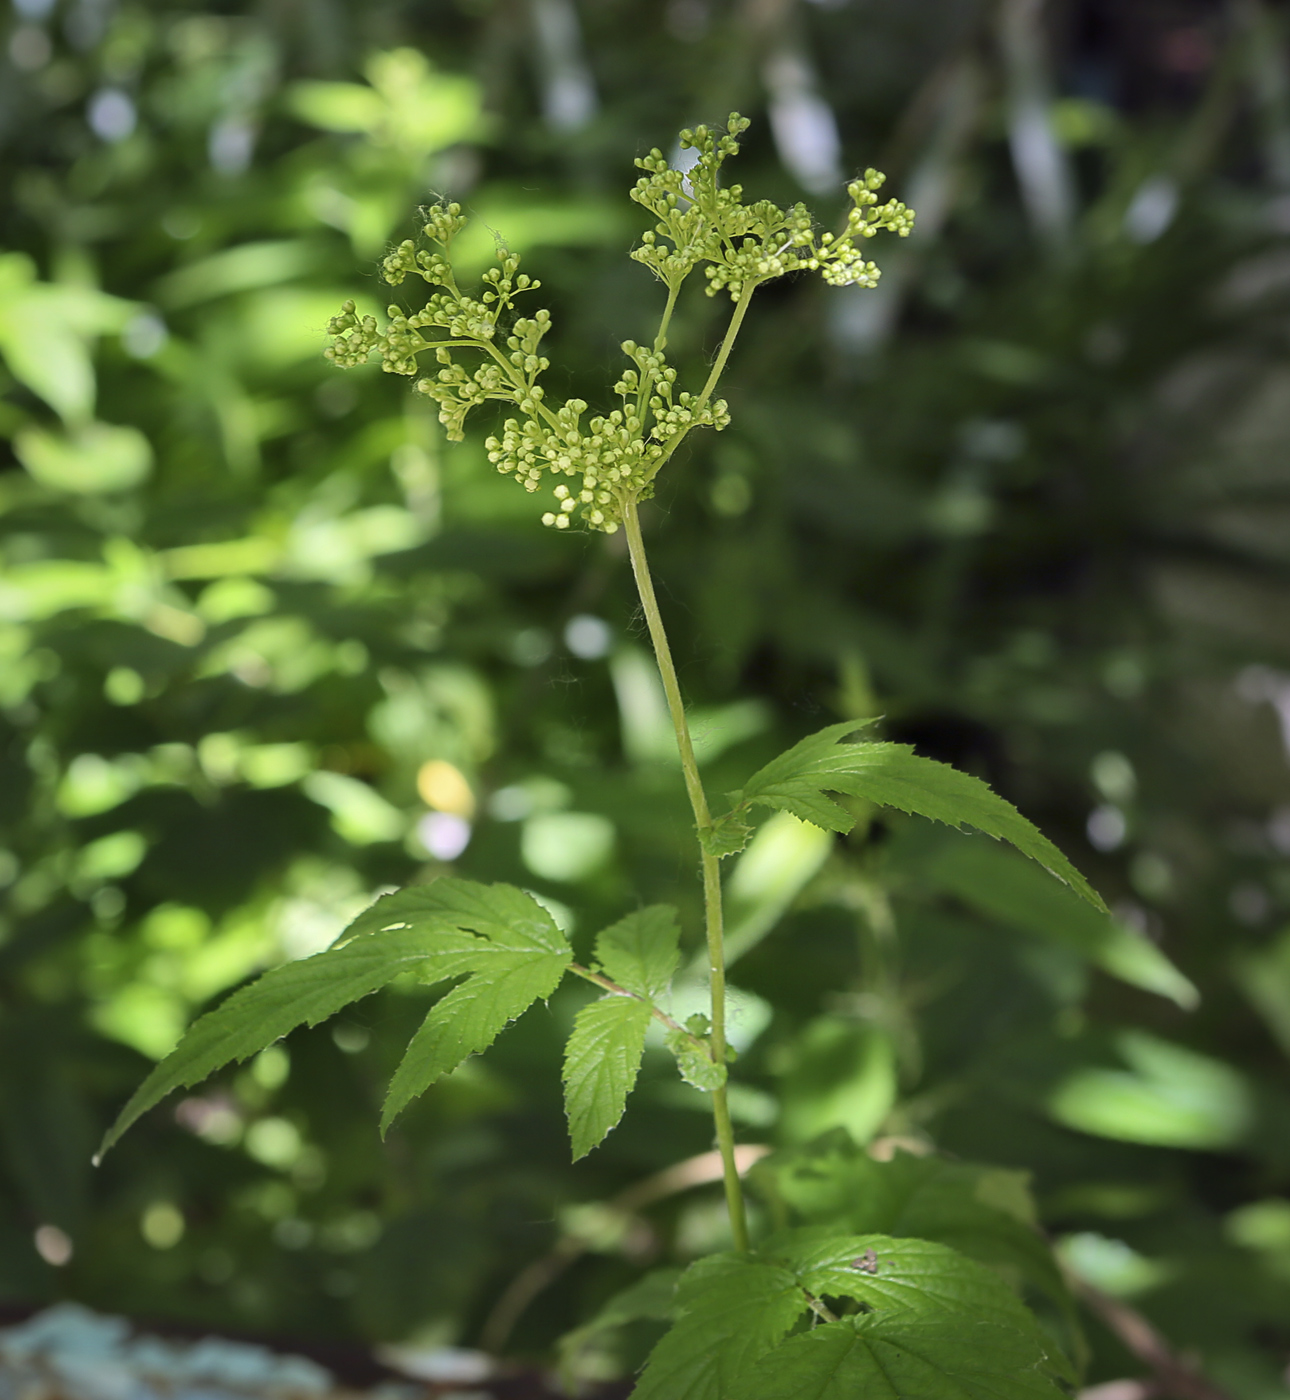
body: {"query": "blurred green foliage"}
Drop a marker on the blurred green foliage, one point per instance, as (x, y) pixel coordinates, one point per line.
(1029, 501)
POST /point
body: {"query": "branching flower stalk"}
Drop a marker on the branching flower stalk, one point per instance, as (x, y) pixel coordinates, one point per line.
(605, 466)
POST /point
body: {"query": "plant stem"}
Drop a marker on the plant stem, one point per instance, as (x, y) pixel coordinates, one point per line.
(599, 980)
(711, 867)
(727, 344)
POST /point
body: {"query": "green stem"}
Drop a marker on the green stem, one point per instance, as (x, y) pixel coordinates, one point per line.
(711, 866)
(718, 366)
(660, 343)
(727, 344)
(600, 980)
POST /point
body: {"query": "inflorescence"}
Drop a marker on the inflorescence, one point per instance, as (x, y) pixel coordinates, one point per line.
(611, 459)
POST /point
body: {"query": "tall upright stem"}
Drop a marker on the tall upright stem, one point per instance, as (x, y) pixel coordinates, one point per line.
(711, 868)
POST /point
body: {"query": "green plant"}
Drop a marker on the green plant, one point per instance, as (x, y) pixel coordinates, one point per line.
(865, 1270)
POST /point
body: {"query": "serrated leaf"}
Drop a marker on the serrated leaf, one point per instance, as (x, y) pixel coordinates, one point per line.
(912, 1275)
(732, 1310)
(436, 931)
(727, 836)
(298, 993)
(641, 951)
(893, 775)
(953, 1203)
(697, 1067)
(899, 1355)
(505, 915)
(601, 1062)
(471, 1017)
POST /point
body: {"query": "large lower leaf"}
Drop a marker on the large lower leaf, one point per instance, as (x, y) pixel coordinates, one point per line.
(733, 1308)
(601, 1062)
(920, 1278)
(893, 775)
(932, 1320)
(983, 1212)
(936, 1324)
(901, 1356)
(298, 993)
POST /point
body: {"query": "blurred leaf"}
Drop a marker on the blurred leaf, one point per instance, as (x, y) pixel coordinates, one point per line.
(1169, 1097)
(996, 883)
(95, 457)
(566, 846)
(45, 335)
(246, 268)
(777, 865)
(843, 1075)
(1264, 977)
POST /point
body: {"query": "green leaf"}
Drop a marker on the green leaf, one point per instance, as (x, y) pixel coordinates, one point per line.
(933, 1320)
(727, 836)
(472, 1016)
(502, 913)
(641, 951)
(920, 1277)
(733, 1308)
(985, 1213)
(697, 1067)
(995, 883)
(893, 775)
(902, 1354)
(437, 931)
(298, 993)
(601, 1062)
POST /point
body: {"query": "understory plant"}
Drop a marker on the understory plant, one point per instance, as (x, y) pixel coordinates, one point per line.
(912, 1276)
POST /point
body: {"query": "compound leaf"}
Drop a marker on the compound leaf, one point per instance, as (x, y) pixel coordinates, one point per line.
(298, 993)
(641, 951)
(436, 931)
(506, 983)
(601, 1062)
(732, 1309)
(893, 775)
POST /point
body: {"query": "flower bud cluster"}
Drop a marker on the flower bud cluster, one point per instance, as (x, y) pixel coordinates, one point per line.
(616, 456)
(612, 459)
(354, 337)
(749, 244)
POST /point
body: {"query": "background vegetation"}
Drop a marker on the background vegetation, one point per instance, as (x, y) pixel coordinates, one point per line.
(268, 644)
